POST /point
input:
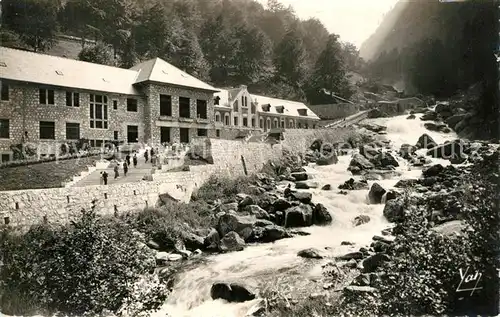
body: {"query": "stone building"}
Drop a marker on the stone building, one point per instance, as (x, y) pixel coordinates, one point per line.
(54, 100)
(237, 110)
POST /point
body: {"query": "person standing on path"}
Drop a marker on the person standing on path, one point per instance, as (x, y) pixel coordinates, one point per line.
(135, 159)
(105, 177)
(101, 179)
(125, 168)
(127, 158)
(146, 155)
(116, 171)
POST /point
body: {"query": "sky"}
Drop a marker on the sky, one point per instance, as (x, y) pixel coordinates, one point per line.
(353, 20)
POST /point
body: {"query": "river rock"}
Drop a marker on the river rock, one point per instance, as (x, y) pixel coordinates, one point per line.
(212, 240)
(281, 204)
(327, 159)
(304, 197)
(425, 142)
(454, 120)
(446, 150)
(431, 126)
(192, 241)
(375, 194)
(351, 184)
(310, 253)
(321, 216)
(368, 151)
(299, 216)
(244, 200)
(406, 183)
(429, 116)
(302, 185)
(393, 210)
(411, 117)
(326, 187)
(242, 225)
(256, 211)
(300, 176)
(391, 194)
(407, 150)
(231, 292)
(350, 256)
(371, 263)
(433, 170)
(374, 127)
(153, 245)
(360, 220)
(384, 160)
(231, 242)
(269, 233)
(379, 246)
(359, 163)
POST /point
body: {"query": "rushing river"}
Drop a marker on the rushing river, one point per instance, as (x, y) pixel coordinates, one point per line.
(256, 264)
(259, 264)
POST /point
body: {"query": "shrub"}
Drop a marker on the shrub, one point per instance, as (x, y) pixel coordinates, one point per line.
(87, 267)
(224, 188)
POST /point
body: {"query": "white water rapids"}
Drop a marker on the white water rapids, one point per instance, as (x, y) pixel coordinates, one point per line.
(259, 264)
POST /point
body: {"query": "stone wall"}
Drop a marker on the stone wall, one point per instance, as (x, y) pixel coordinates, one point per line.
(297, 140)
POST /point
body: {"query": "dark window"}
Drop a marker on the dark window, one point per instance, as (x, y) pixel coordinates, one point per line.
(5, 158)
(164, 135)
(252, 108)
(115, 104)
(307, 126)
(5, 91)
(300, 125)
(253, 122)
(226, 120)
(98, 143)
(115, 135)
(245, 122)
(217, 117)
(132, 134)
(243, 101)
(217, 133)
(246, 101)
(72, 99)
(4, 129)
(92, 143)
(282, 124)
(46, 96)
(72, 131)
(201, 109)
(98, 112)
(165, 105)
(184, 134)
(202, 132)
(236, 121)
(184, 107)
(261, 123)
(314, 126)
(47, 130)
(131, 104)
(235, 105)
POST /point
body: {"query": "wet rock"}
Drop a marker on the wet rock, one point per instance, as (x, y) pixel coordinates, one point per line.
(231, 242)
(368, 151)
(393, 210)
(310, 253)
(406, 150)
(231, 292)
(391, 194)
(300, 176)
(327, 187)
(375, 194)
(303, 197)
(433, 170)
(256, 211)
(384, 160)
(359, 163)
(343, 192)
(192, 241)
(346, 243)
(446, 150)
(352, 255)
(327, 159)
(351, 184)
(434, 126)
(299, 216)
(269, 233)
(371, 263)
(429, 116)
(406, 183)
(321, 216)
(281, 204)
(302, 185)
(212, 240)
(242, 225)
(245, 200)
(425, 142)
(454, 120)
(360, 220)
(411, 117)
(374, 127)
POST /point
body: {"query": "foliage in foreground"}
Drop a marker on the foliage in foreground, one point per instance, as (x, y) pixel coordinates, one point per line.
(224, 188)
(90, 266)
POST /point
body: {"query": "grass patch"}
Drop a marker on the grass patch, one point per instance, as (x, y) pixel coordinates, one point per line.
(43, 175)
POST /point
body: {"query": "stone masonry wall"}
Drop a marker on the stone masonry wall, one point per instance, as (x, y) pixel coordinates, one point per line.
(298, 140)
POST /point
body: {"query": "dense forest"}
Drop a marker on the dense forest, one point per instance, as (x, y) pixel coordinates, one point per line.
(439, 49)
(225, 42)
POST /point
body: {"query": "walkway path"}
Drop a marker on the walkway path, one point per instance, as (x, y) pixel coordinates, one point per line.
(349, 120)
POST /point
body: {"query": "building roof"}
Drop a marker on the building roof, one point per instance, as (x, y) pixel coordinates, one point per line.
(44, 69)
(57, 71)
(291, 108)
(227, 94)
(157, 70)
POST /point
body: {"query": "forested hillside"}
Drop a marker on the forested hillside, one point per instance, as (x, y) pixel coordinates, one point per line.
(226, 42)
(440, 49)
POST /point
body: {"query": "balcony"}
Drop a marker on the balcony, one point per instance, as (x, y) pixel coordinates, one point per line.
(182, 119)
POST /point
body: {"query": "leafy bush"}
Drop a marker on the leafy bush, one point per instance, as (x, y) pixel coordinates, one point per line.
(87, 267)
(224, 188)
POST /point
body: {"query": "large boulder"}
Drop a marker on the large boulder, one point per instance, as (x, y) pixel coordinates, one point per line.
(425, 142)
(244, 200)
(351, 184)
(281, 204)
(242, 225)
(454, 120)
(304, 197)
(231, 292)
(369, 151)
(299, 216)
(407, 150)
(310, 253)
(429, 116)
(394, 210)
(212, 240)
(192, 241)
(327, 159)
(359, 163)
(321, 216)
(384, 160)
(448, 149)
(231, 242)
(300, 176)
(257, 211)
(376, 193)
(433, 170)
(269, 233)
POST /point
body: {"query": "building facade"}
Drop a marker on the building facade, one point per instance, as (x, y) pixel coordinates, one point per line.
(236, 110)
(51, 100)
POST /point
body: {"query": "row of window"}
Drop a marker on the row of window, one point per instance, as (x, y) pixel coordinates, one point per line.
(275, 122)
(184, 107)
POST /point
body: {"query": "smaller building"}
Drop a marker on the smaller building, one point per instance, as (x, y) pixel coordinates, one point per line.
(238, 110)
